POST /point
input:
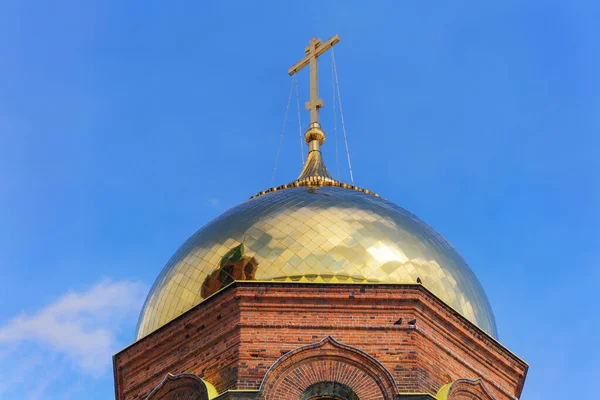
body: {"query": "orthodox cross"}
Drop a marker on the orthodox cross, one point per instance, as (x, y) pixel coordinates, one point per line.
(315, 48)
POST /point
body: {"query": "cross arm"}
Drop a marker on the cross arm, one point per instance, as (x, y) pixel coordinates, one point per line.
(320, 50)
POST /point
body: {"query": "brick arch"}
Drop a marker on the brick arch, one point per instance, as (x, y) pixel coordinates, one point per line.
(465, 389)
(182, 387)
(328, 361)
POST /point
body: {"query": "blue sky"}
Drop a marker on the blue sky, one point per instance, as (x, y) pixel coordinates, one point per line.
(126, 126)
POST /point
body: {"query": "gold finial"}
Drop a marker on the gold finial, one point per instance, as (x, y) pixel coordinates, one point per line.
(315, 172)
(315, 137)
(314, 132)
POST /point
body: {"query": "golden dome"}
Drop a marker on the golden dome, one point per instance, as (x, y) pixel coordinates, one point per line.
(317, 234)
(314, 229)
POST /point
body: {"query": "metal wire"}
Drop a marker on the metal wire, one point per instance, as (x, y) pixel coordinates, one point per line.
(342, 114)
(337, 158)
(299, 123)
(287, 107)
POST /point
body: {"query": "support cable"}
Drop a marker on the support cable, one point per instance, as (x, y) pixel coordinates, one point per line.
(281, 136)
(299, 123)
(337, 157)
(342, 115)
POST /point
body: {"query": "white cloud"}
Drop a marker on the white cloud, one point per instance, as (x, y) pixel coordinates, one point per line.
(76, 334)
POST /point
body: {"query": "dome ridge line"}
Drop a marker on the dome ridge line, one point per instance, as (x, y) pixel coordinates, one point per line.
(316, 181)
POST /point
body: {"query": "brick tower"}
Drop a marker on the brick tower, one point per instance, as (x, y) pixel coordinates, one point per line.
(317, 290)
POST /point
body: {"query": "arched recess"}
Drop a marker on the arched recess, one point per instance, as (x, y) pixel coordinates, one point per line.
(328, 361)
(465, 389)
(328, 390)
(183, 387)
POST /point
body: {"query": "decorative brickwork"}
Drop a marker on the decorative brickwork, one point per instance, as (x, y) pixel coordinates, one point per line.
(327, 361)
(389, 339)
(465, 389)
(180, 387)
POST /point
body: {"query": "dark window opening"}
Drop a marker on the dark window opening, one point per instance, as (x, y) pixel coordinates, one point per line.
(328, 391)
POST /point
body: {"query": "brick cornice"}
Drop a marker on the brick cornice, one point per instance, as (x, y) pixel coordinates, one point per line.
(235, 294)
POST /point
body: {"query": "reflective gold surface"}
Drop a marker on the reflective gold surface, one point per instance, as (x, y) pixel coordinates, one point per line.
(320, 234)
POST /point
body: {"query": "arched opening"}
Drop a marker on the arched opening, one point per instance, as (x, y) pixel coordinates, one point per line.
(328, 391)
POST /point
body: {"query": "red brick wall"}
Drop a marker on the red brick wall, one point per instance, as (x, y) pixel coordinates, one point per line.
(233, 338)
